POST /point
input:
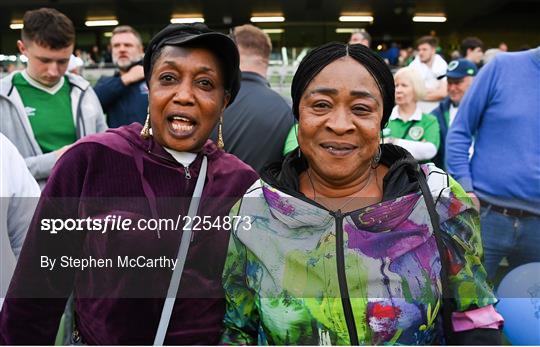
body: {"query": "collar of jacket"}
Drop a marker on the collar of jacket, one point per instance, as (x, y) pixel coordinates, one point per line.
(6, 83)
(400, 179)
(131, 133)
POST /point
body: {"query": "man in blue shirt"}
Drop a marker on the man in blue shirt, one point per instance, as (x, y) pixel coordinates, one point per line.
(124, 96)
(501, 111)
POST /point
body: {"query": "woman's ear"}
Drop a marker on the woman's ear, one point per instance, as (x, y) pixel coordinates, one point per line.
(226, 99)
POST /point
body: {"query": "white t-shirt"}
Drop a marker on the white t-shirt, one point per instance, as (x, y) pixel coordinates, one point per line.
(429, 74)
(452, 114)
(184, 158)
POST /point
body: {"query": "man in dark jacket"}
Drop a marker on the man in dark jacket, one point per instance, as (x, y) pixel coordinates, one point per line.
(256, 124)
(124, 96)
(459, 76)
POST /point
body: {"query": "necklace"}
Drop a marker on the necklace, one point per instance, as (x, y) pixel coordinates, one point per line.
(348, 200)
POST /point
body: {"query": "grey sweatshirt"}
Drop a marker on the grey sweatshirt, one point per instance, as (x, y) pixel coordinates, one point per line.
(88, 118)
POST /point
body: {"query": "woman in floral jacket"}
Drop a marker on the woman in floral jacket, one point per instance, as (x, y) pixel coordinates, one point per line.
(349, 241)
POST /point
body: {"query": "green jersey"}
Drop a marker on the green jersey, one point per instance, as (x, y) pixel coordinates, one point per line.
(49, 113)
(424, 130)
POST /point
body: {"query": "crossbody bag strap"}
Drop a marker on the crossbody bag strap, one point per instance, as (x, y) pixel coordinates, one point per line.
(181, 258)
(447, 302)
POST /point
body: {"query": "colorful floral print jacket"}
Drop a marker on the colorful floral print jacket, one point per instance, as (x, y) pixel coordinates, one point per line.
(300, 274)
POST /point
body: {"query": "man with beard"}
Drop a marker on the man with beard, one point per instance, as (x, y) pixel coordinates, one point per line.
(124, 96)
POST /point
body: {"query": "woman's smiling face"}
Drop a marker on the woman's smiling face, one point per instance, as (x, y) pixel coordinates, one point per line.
(339, 121)
(186, 97)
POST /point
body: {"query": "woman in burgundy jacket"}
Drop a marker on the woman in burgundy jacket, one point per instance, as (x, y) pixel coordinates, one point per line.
(95, 233)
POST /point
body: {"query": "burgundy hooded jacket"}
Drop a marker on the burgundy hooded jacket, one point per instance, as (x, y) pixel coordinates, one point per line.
(118, 173)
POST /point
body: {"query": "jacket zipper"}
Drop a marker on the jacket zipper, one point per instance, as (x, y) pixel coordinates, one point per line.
(186, 171)
(342, 279)
(80, 133)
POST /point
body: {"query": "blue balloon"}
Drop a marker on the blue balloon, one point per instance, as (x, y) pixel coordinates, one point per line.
(519, 295)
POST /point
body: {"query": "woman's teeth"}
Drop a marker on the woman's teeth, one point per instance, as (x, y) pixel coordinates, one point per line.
(181, 118)
(181, 127)
(181, 124)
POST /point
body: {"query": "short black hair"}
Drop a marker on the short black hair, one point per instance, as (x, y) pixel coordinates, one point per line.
(48, 28)
(471, 43)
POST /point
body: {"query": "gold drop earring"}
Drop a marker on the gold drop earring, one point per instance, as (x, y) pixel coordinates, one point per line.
(220, 142)
(145, 132)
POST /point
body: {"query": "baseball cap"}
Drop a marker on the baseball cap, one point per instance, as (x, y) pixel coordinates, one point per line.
(460, 68)
(200, 35)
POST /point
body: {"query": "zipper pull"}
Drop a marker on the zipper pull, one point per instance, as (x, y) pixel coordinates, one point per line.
(186, 171)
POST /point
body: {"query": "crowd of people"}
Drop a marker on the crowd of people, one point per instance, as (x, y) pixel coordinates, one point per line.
(374, 209)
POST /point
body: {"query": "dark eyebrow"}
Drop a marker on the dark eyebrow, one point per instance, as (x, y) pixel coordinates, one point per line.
(207, 69)
(322, 90)
(50, 59)
(332, 91)
(203, 68)
(170, 62)
(364, 94)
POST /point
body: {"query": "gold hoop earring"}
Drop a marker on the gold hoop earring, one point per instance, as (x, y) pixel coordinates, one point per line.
(220, 142)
